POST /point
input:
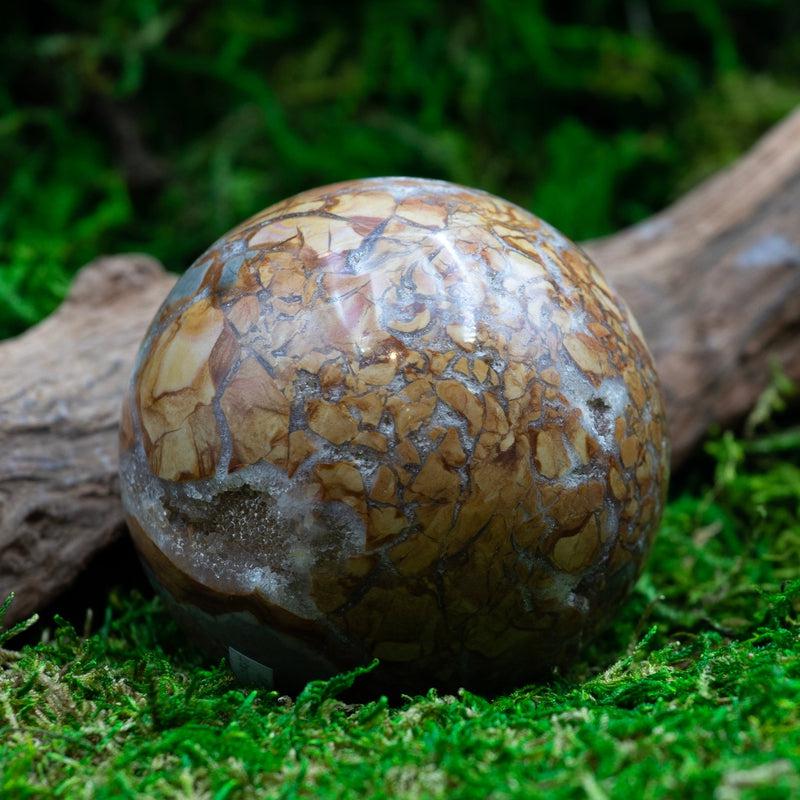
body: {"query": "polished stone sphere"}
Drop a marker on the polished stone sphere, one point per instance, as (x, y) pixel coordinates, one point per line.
(396, 419)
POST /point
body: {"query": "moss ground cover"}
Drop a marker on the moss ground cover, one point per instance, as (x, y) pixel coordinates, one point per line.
(694, 692)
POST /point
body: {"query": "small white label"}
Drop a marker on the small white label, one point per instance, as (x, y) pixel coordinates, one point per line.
(249, 671)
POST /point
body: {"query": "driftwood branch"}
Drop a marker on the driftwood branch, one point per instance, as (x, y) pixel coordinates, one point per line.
(714, 281)
(61, 385)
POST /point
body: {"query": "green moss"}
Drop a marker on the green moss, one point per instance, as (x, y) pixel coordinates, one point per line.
(156, 125)
(694, 692)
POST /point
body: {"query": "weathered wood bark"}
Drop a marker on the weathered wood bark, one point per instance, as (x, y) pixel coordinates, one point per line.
(714, 282)
(60, 390)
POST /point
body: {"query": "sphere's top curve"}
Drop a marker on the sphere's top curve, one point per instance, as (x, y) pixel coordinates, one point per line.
(378, 276)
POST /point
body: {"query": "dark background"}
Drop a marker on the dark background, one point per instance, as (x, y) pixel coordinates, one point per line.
(156, 126)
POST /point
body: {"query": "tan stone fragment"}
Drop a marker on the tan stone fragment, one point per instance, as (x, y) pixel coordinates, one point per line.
(435, 432)
(430, 215)
(338, 285)
(439, 361)
(257, 413)
(629, 451)
(244, 313)
(331, 421)
(369, 405)
(179, 357)
(324, 235)
(644, 472)
(477, 510)
(384, 487)
(314, 362)
(619, 430)
(364, 204)
(582, 443)
(486, 446)
(552, 459)
(403, 475)
(420, 319)
(436, 519)
(551, 376)
(460, 399)
(529, 534)
(480, 369)
(574, 553)
(620, 556)
(425, 283)
(569, 508)
(360, 566)
(283, 331)
(415, 555)
(300, 448)
(618, 486)
(274, 233)
(191, 451)
(463, 335)
(378, 374)
(384, 523)
(287, 283)
(411, 407)
(414, 363)
(175, 391)
(483, 637)
(507, 441)
(372, 439)
(329, 588)
(287, 307)
(633, 380)
(451, 451)
(462, 366)
(631, 511)
(495, 418)
(586, 353)
(520, 343)
(342, 481)
(515, 381)
(435, 480)
(597, 328)
(407, 453)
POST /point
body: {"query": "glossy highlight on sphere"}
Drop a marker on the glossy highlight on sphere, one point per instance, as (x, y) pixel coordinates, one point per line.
(394, 418)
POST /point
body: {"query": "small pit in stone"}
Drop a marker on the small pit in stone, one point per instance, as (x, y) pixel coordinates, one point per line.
(600, 409)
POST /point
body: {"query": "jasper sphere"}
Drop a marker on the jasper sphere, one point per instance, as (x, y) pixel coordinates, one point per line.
(394, 418)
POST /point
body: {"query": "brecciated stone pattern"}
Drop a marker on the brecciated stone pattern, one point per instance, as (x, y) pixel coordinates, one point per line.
(395, 418)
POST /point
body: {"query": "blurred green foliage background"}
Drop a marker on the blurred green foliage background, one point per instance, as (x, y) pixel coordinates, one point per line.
(156, 126)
